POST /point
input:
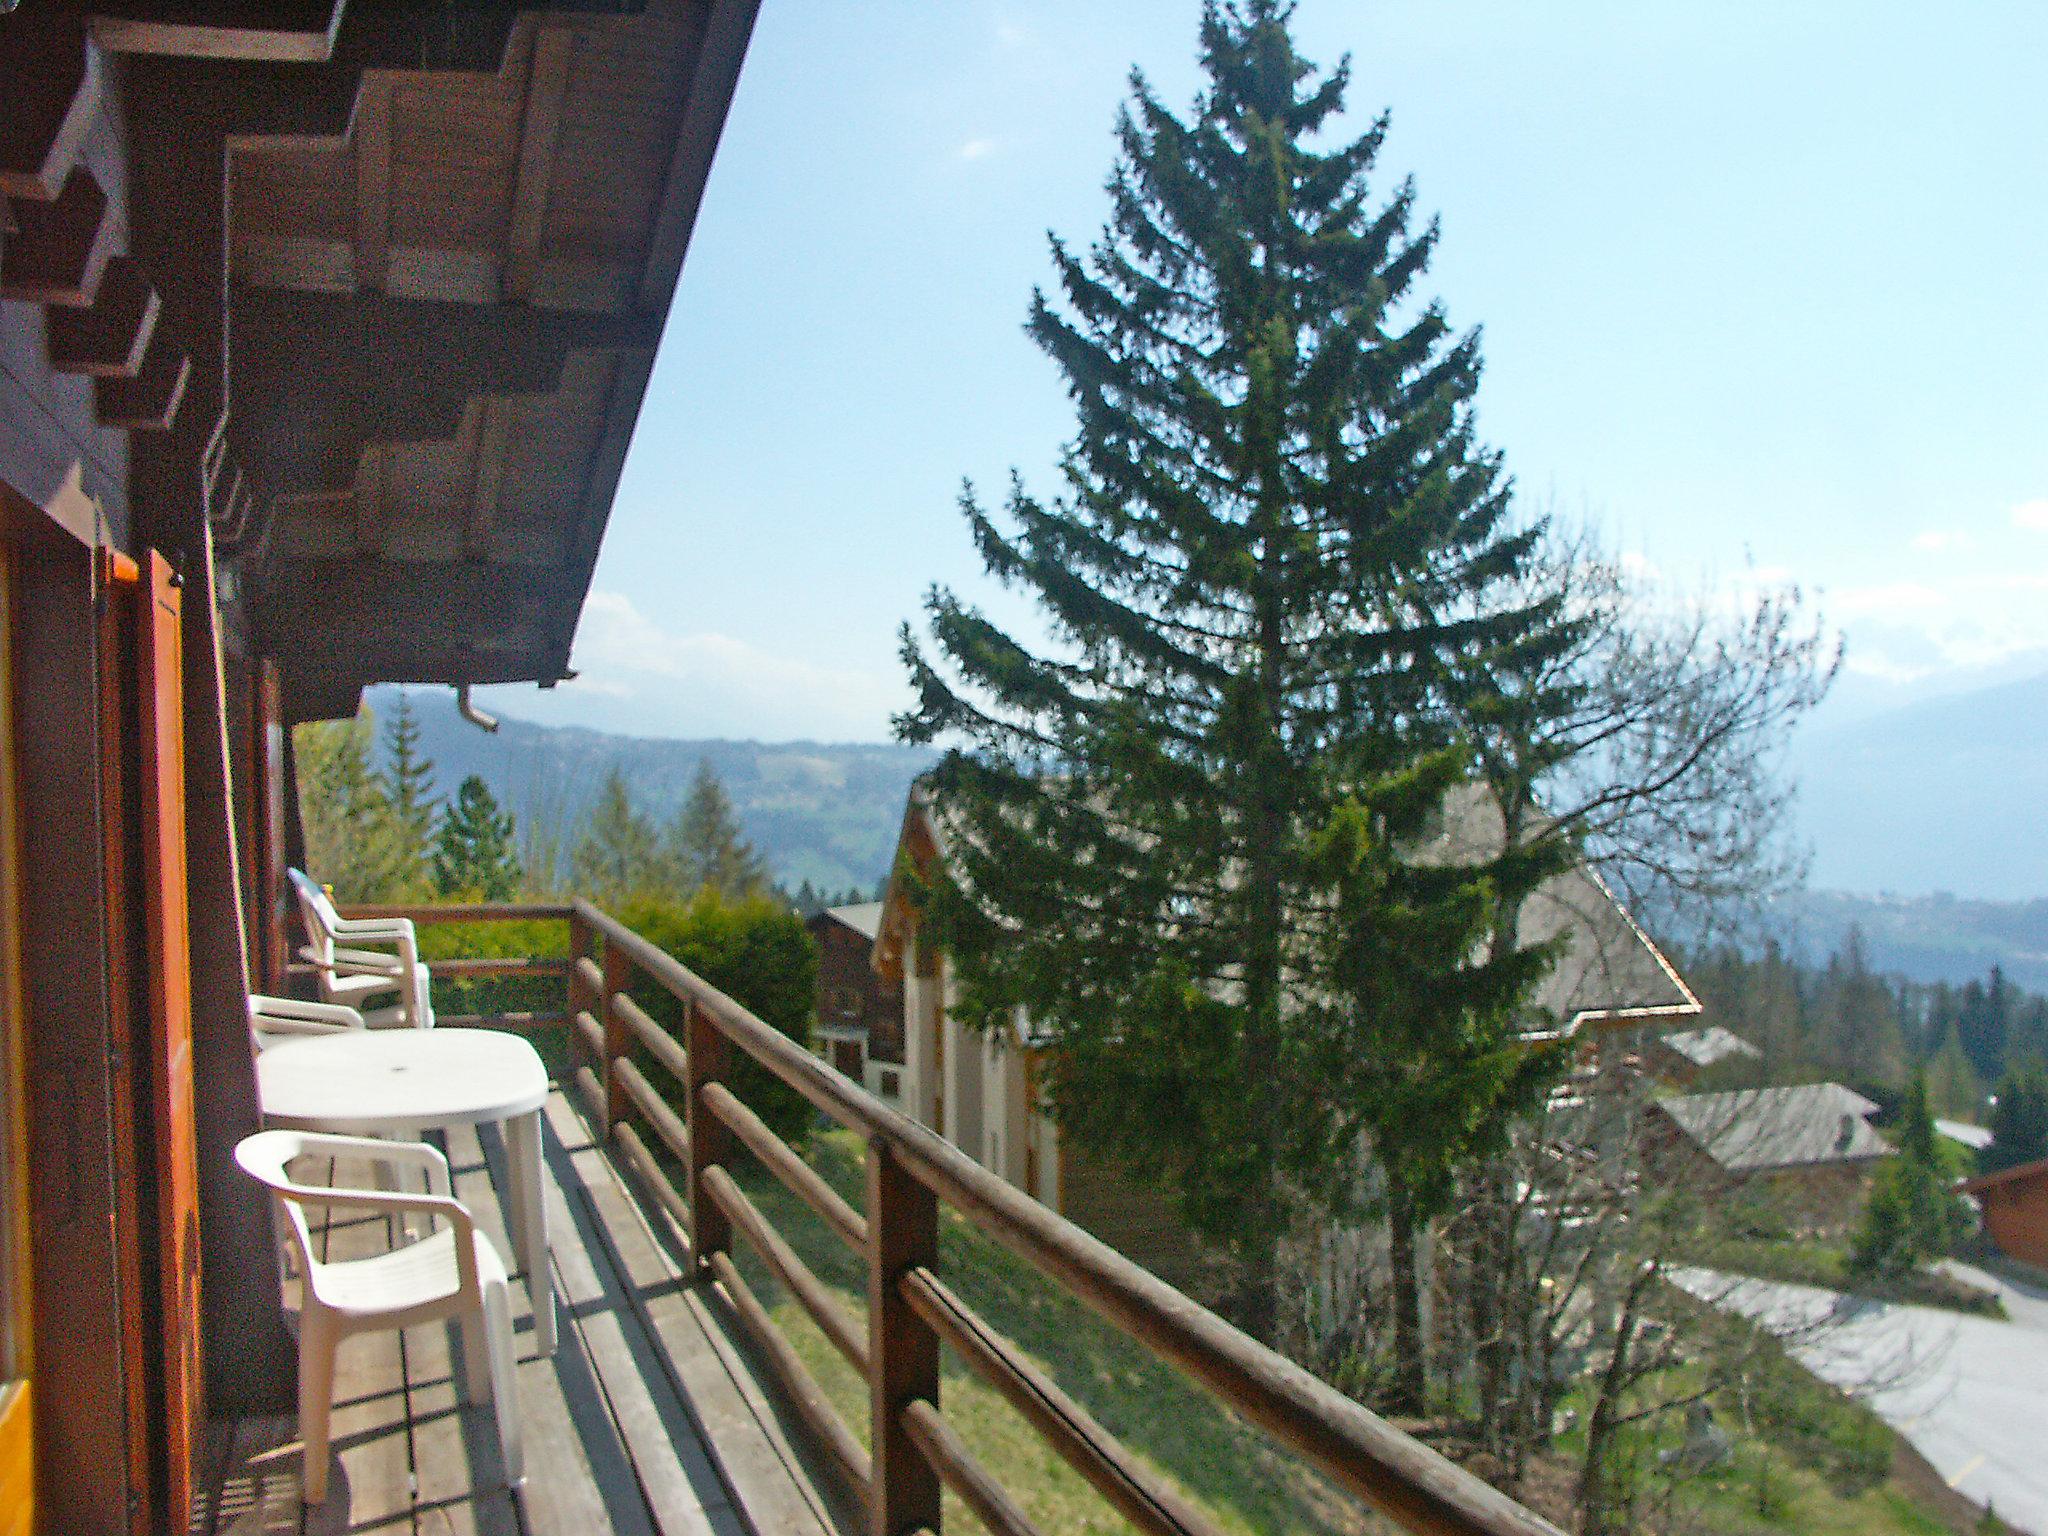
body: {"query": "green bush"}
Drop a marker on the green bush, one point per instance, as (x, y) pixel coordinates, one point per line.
(757, 952)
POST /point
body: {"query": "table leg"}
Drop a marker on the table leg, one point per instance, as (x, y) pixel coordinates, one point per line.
(522, 1143)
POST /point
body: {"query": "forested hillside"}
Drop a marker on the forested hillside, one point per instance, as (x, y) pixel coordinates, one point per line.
(1845, 1020)
(821, 812)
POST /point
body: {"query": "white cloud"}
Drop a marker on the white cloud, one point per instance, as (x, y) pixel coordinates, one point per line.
(1936, 541)
(976, 149)
(1885, 598)
(637, 674)
(2032, 515)
(1012, 34)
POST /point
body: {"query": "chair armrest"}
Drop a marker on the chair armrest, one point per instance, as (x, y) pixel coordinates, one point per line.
(284, 1010)
(364, 962)
(374, 928)
(409, 1154)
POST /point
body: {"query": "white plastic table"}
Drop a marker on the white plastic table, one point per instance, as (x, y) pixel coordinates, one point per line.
(385, 1081)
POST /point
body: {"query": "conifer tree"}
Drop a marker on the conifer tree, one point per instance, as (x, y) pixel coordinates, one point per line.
(1276, 529)
(408, 780)
(352, 844)
(1912, 1216)
(617, 853)
(703, 845)
(2019, 1120)
(473, 848)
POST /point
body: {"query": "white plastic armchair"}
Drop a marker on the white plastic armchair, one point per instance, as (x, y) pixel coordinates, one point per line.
(275, 1019)
(453, 1272)
(352, 975)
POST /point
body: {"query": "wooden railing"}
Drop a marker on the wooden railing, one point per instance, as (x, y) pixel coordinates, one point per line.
(913, 1451)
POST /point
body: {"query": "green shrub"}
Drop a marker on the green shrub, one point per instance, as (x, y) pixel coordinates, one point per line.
(757, 952)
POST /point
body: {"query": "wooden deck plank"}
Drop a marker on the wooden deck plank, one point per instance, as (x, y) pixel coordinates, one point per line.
(674, 1471)
(615, 1423)
(578, 1476)
(776, 1491)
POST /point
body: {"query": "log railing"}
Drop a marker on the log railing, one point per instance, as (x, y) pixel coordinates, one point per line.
(912, 1450)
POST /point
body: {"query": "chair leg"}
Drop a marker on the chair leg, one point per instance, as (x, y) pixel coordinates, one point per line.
(318, 1340)
(476, 1362)
(496, 1323)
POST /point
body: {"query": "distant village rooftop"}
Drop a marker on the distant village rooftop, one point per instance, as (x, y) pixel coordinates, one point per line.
(1709, 1046)
(1753, 1130)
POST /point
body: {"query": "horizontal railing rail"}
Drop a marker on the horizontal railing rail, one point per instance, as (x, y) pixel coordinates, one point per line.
(911, 1171)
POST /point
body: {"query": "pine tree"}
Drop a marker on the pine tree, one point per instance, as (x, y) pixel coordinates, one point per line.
(1912, 1215)
(473, 848)
(1952, 1083)
(408, 780)
(1276, 527)
(617, 854)
(352, 844)
(2019, 1120)
(703, 846)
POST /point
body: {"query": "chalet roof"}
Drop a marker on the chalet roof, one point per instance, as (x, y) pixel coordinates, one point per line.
(2021, 1173)
(1752, 1130)
(1609, 969)
(864, 918)
(1976, 1137)
(1708, 1046)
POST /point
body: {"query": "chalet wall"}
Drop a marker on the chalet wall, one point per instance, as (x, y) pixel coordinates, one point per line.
(2016, 1216)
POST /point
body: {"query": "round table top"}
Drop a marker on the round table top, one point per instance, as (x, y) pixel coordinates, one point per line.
(400, 1078)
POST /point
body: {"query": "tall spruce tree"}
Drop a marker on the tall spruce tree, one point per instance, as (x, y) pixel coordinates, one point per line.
(1169, 829)
(703, 845)
(352, 843)
(408, 780)
(473, 847)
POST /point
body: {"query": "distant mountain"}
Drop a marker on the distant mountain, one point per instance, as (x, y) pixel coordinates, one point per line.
(1950, 794)
(817, 811)
(1924, 938)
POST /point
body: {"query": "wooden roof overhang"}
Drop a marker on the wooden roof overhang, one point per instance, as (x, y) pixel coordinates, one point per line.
(398, 269)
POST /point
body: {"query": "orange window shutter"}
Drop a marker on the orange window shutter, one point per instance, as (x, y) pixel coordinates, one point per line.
(160, 655)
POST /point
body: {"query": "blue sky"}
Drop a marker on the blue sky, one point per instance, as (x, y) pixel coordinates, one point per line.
(1762, 287)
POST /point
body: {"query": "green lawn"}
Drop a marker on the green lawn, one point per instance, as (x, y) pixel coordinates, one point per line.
(1246, 1482)
(1811, 1461)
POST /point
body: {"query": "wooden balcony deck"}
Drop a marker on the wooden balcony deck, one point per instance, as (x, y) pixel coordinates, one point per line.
(648, 1419)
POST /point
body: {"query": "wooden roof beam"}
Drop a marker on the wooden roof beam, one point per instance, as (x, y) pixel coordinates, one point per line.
(554, 48)
(54, 84)
(148, 402)
(108, 340)
(61, 247)
(250, 31)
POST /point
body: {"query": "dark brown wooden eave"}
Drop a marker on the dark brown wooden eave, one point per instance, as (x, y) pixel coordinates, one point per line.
(389, 290)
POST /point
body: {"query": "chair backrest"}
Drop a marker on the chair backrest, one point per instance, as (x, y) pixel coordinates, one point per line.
(266, 1157)
(273, 1020)
(317, 911)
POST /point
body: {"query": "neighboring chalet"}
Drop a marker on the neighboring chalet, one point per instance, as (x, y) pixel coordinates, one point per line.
(1682, 1057)
(1811, 1147)
(860, 1017)
(981, 1091)
(2014, 1202)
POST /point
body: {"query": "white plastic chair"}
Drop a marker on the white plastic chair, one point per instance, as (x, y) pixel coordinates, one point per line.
(351, 975)
(453, 1272)
(276, 1019)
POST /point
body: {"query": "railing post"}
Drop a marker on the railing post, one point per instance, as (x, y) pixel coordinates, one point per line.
(710, 1230)
(618, 1040)
(582, 946)
(903, 1352)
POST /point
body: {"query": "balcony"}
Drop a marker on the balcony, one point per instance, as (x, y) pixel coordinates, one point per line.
(675, 1402)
